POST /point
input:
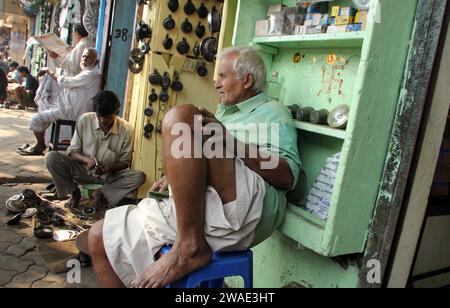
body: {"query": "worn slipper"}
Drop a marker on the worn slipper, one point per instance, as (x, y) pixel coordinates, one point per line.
(31, 151)
(24, 147)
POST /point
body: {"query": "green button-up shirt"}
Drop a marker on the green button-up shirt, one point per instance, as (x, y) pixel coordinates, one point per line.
(260, 113)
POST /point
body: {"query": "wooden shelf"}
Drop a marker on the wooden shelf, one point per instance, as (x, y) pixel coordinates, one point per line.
(325, 40)
(321, 129)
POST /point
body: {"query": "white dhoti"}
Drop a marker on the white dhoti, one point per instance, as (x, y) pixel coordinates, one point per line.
(132, 235)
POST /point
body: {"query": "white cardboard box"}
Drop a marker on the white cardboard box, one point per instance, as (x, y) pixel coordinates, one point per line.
(262, 27)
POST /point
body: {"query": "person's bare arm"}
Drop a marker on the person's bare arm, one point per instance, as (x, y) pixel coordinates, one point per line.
(279, 176)
(90, 162)
(111, 168)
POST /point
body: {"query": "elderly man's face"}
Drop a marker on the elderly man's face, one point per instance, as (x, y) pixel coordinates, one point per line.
(88, 59)
(232, 90)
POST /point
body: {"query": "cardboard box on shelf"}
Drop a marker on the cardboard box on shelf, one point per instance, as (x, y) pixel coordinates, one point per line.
(326, 20)
(335, 11)
(275, 8)
(337, 29)
(344, 20)
(300, 30)
(262, 27)
(361, 18)
(313, 19)
(291, 13)
(302, 11)
(347, 11)
(279, 24)
(354, 28)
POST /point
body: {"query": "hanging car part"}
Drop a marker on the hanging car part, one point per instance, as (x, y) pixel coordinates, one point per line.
(189, 8)
(173, 5)
(202, 11)
(167, 43)
(208, 48)
(202, 70)
(196, 50)
(200, 30)
(186, 26)
(155, 78)
(177, 85)
(143, 31)
(164, 95)
(148, 111)
(165, 80)
(169, 22)
(145, 49)
(153, 97)
(183, 47)
(214, 20)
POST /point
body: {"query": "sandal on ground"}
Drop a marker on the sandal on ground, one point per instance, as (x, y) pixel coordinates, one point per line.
(32, 151)
(23, 147)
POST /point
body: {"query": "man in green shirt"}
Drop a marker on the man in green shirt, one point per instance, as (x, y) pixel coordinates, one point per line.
(228, 176)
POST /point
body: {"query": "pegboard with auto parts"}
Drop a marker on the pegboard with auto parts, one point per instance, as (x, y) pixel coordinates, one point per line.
(174, 60)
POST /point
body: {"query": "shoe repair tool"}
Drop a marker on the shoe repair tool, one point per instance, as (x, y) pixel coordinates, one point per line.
(338, 117)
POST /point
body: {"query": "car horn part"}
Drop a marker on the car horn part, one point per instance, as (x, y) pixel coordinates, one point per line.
(208, 48)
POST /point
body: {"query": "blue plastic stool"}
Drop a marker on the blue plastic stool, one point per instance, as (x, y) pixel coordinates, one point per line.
(225, 264)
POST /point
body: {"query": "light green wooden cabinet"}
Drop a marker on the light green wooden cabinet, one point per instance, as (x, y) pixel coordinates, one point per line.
(361, 69)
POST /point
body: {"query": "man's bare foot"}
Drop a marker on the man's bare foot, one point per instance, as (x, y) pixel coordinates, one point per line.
(100, 201)
(173, 266)
(74, 200)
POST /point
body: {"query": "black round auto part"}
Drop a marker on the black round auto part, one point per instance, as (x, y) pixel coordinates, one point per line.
(143, 31)
(165, 80)
(200, 30)
(168, 42)
(186, 26)
(155, 78)
(149, 128)
(29, 194)
(134, 67)
(196, 50)
(153, 97)
(189, 8)
(214, 20)
(173, 5)
(177, 86)
(183, 47)
(202, 11)
(148, 111)
(136, 56)
(14, 220)
(164, 96)
(145, 49)
(208, 48)
(89, 211)
(148, 135)
(202, 71)
(169, 22)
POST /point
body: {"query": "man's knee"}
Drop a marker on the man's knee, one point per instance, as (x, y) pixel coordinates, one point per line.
(52, 158)
(179, 114)
(138, 177)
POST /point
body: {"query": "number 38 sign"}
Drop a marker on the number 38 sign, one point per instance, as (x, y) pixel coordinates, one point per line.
(121, 34)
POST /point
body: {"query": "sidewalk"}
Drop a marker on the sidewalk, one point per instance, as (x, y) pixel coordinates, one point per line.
(20, 264)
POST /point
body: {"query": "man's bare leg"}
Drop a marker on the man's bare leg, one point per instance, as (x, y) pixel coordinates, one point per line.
(188, 178)
(106, 276)
(74, 200)
(40, 138)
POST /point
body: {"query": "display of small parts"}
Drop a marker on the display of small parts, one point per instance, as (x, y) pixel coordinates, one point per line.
(185, 23)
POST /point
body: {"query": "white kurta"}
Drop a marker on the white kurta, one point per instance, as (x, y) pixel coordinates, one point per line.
(71, 63)
(78, 91)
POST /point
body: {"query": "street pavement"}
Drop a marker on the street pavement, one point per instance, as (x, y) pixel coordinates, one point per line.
(20, 264)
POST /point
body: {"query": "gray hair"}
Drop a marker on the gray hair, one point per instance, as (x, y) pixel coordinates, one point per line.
(248, 61)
